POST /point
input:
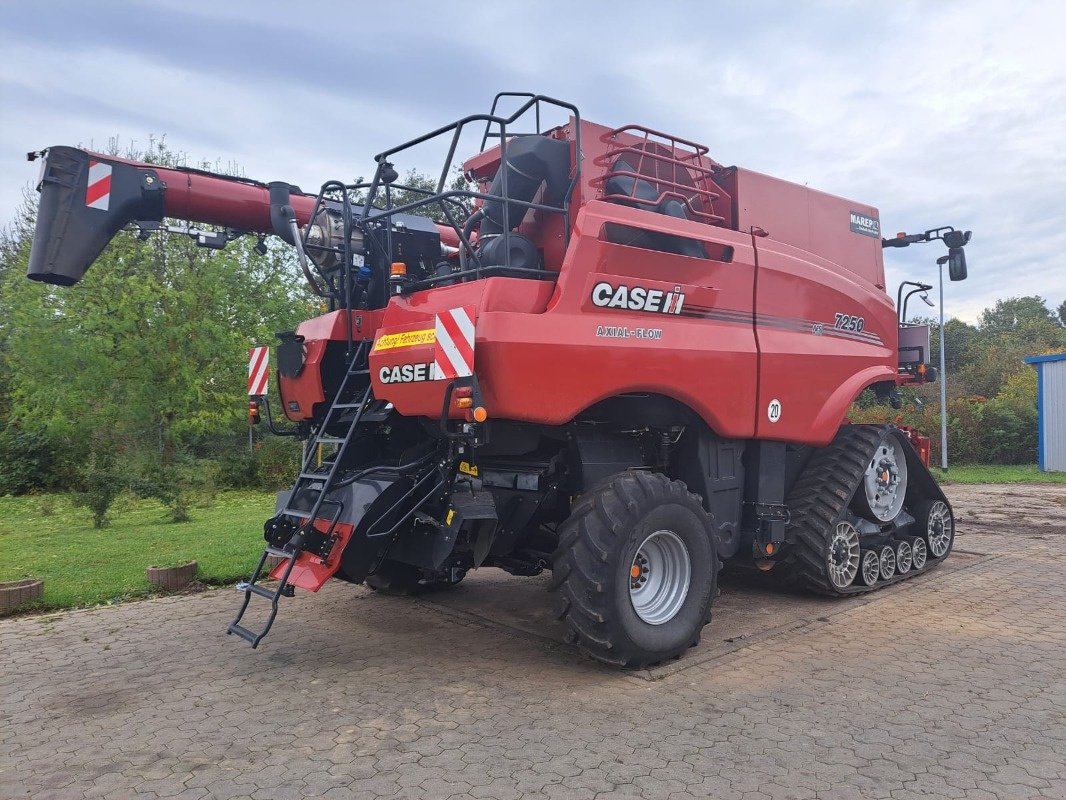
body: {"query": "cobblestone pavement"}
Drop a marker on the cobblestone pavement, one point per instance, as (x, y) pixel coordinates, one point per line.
(948, 687)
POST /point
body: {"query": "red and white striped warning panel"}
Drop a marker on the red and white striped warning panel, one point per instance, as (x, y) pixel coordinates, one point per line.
(258, 370)
(98, 190)
(453, 354)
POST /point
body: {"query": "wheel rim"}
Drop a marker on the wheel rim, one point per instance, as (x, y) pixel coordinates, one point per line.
(871, 568)
(888, 562)
(842, 559)
(659, 577)
(885, 482)
(939, 529)
(903, 556)
(918, 553)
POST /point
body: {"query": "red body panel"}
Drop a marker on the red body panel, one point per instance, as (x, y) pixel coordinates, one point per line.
(758, 328)
(308, 389)
(545, 363)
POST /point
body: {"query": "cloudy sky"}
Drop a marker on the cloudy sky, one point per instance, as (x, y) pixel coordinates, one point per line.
(938, 113)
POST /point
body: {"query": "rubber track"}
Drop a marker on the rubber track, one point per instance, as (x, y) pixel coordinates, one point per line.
(818, 500)
(581, 568)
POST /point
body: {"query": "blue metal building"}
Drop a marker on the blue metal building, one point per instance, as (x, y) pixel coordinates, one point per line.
(1051, 410)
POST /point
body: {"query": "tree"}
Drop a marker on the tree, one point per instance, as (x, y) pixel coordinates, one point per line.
(149, 349)
(1016, 313)
(1062, 313)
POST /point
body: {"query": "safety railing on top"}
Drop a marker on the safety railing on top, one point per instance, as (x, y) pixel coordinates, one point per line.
(675, 168)
(451, 201)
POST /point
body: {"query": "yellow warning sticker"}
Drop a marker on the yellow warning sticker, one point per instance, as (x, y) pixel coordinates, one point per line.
(450, 517)
(468, 469)
(391, 341)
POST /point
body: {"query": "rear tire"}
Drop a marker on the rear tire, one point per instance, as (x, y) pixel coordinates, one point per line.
(636, 570)
(397, 579)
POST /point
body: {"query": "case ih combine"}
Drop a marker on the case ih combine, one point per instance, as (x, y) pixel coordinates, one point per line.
(612, 357)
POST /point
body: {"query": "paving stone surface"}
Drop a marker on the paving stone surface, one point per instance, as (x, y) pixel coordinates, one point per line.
(952, 686)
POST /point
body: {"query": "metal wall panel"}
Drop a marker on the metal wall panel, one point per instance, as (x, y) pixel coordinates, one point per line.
(1054, 413)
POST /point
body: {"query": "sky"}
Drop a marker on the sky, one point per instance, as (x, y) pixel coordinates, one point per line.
(937, 113)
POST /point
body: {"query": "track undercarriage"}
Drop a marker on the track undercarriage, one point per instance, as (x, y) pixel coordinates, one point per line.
(864, 513)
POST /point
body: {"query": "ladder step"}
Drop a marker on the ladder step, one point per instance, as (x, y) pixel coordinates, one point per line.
(302, 513)
(346, 405)
(243, 632)
(244, 586)
(314, 476)
(330, 440)
(277, 551)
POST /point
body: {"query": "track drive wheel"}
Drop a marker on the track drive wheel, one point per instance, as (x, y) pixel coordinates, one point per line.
(636, 570)
(396, 578)
(884, 482)
(934, 521)
(871, 567)
(904, 556)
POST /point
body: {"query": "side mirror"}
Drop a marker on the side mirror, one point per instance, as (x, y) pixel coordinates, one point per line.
(957, 264)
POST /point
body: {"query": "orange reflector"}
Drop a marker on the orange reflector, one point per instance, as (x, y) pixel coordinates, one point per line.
(464, 402)
(398, 268)
(480, 414)
(634, 571)
(770, 548)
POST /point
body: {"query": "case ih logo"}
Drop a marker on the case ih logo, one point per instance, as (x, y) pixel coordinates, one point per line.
(868, 226)
(637, 298)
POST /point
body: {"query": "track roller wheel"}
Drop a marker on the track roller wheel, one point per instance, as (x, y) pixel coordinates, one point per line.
(397, 579)
(903, 556)
(636, 570)
(842, 555)
(935, 522)
(888, 561)
(871, 567)
(918, 552)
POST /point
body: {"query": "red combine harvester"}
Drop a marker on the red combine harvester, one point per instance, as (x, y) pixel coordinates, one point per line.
(611, 357)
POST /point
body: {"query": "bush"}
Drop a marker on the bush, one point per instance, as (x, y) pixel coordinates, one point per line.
(26, 461)
(1010, 433)
(174, 485)
(279, 462)
(238, 470)
(97, 483)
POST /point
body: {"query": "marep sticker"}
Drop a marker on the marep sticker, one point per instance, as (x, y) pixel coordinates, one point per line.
(867, 226)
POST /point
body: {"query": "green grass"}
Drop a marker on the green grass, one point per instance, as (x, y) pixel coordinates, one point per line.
(45, 536)
(993, 473)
